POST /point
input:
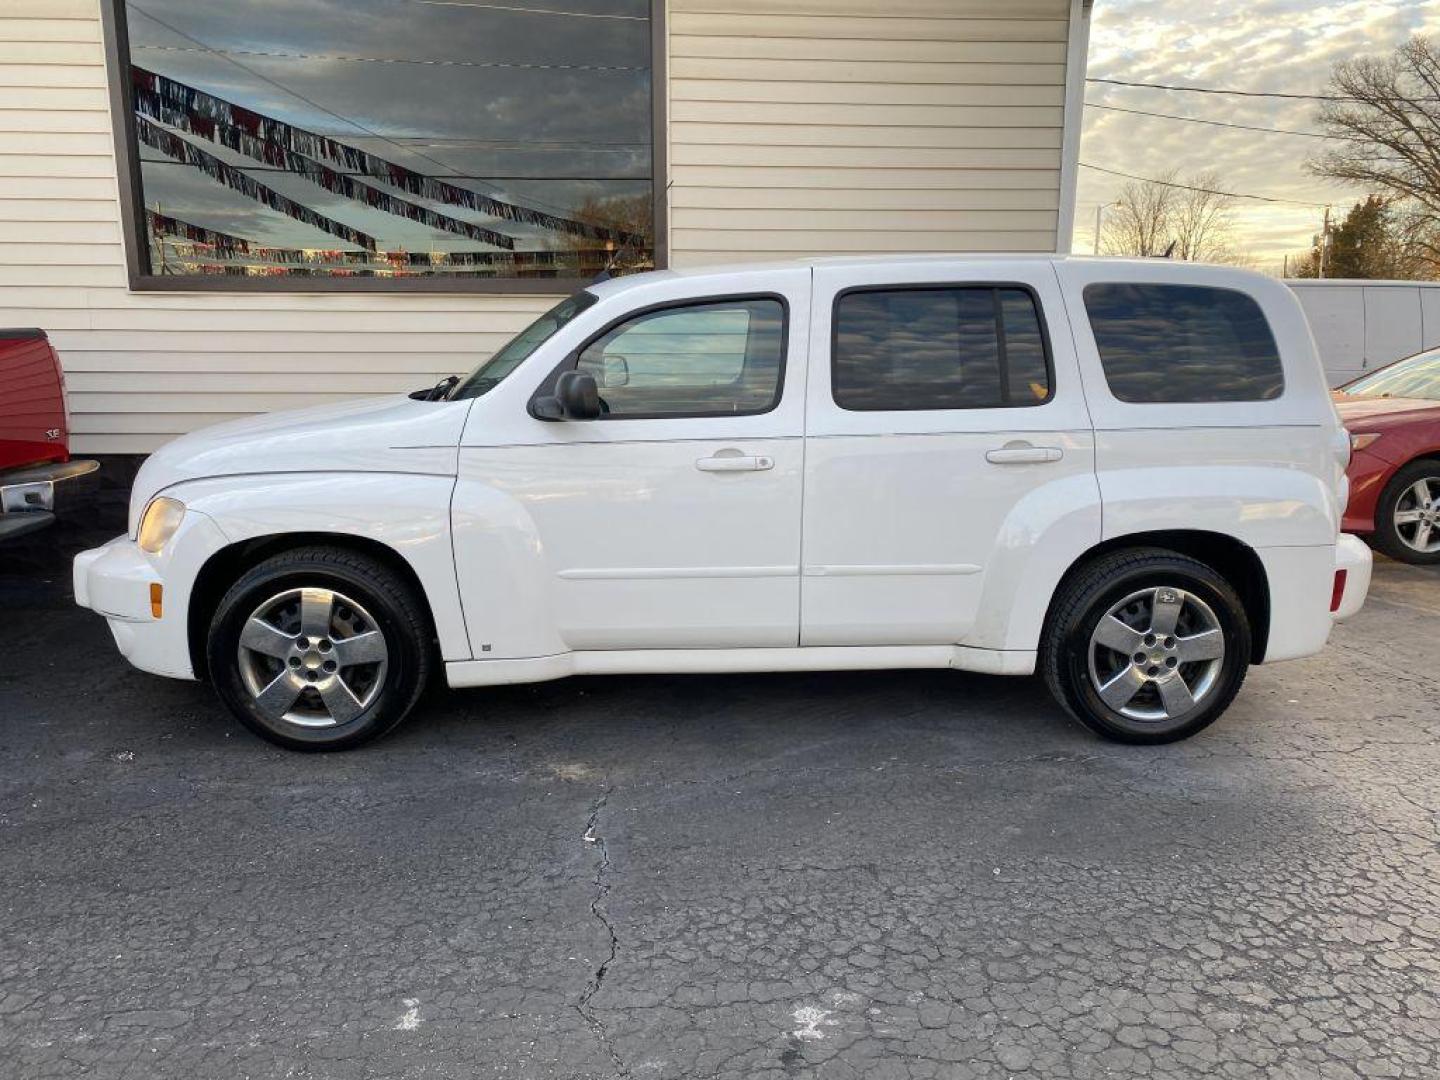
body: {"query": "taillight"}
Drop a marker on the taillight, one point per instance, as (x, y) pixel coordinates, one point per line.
(1338, 592)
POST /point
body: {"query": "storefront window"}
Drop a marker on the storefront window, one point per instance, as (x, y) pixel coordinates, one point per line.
(388, 140)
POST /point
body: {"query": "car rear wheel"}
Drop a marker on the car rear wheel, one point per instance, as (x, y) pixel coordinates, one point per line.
(1146, 646)
(319, 649)
(1407, 517)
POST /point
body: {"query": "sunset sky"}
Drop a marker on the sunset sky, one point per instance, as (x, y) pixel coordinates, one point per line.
(1268, 45)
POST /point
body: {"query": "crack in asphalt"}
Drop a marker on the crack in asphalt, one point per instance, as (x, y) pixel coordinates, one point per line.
(597, 911)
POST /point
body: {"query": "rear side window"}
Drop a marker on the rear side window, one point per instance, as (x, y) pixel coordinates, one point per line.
(963, 347)
(1183, 343)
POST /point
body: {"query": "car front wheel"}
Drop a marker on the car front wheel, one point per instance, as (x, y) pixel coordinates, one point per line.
(1407, 518)
(319, 648)
(1146, 646)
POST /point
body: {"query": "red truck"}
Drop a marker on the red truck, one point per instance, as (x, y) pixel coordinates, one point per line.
(34, 432)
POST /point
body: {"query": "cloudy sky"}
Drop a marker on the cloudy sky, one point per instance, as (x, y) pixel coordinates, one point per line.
(1264, 45)
(510, 99)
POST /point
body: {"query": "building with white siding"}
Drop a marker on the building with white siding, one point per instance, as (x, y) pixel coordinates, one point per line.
(1363, 325)
(220, 208)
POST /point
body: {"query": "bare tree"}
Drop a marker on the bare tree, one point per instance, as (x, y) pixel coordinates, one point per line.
(1387, 134)
(1189, 220)
(1202, 222)
(631, 216)
(1139, 222)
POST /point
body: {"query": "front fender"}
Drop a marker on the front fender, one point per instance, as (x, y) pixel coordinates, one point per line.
(407, 513)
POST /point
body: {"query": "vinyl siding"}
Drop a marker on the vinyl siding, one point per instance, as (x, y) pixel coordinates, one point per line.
(824, 126)
(797, 127)
(144, 367)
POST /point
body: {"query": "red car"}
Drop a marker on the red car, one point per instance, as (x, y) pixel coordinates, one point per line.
(34, 432)
(1393, 416)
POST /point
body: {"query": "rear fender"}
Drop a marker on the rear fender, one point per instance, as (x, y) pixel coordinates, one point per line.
(1260, 506)
(1041, 538)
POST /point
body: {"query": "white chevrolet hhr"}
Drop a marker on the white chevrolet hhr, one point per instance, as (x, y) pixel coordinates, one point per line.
(1128, 475)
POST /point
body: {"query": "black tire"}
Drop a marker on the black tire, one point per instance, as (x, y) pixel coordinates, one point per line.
(363, 590)
(1387, 534)
(1089, 595)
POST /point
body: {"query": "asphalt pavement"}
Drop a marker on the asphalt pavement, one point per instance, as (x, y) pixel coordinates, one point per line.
(903, 874)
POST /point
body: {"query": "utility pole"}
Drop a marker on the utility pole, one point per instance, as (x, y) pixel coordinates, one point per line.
(164, 267)
(1324, 243)
(1100, 223)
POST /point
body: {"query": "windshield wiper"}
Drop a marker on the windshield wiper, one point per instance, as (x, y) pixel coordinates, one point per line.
(439, 392)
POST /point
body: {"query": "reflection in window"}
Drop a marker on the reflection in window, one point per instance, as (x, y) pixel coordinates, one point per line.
(1416, 377)
(938, 348)
(722, 358)
(1183, 343)
(393, 138)
(518, 349)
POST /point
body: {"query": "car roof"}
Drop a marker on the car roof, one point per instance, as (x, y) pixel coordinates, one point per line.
(612, 286)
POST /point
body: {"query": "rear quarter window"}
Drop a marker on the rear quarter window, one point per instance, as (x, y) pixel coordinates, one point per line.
(1171, 344)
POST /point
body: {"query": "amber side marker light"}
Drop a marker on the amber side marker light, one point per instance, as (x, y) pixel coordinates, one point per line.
(157, 596)
(1336, 594)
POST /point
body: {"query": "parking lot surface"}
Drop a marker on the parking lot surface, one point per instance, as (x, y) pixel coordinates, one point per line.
(905, 874)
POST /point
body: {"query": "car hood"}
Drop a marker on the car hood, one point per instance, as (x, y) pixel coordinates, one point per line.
(1389, 410)
(389, 434)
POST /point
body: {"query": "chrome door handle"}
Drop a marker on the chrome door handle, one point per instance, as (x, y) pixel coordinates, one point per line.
(735, 463)
(1023, 454)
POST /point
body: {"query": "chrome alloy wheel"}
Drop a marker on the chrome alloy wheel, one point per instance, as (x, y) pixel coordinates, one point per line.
(1417, 516)
(312, 657)
(1156, 655)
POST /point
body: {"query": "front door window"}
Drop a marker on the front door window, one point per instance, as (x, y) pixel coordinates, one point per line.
(720, 358)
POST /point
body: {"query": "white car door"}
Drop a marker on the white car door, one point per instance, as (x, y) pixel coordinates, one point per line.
(945, 432)
(673, 520)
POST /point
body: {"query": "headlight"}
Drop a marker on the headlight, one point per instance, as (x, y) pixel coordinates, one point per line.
(1361, 441)
(159, 522)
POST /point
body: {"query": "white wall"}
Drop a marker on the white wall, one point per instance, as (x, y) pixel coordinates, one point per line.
(798, 127)
(851, 126)
(1362, 325)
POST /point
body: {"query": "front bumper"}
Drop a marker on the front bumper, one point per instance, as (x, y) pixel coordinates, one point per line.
(115, 581)
(1353, 556)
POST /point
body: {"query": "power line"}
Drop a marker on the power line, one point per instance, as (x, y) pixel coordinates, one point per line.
(1191, 187)
(1217, 123)
(391, 59)
(533, 11)
(279, 85)
(245, 167)
(1218, 90)
(517, 143)
(1188, 88)
(448, 169)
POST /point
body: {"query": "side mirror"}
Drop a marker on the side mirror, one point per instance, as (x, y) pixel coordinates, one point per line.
(576, 397)
(615, 372)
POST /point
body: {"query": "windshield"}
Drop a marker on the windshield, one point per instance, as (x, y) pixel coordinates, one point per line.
(488, 375)
(1415, 377)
